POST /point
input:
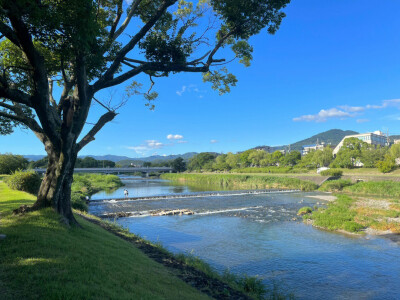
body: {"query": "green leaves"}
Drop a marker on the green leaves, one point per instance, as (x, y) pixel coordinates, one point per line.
(221, 80)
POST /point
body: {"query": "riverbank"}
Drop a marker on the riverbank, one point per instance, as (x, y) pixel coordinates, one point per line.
(363, 208)
(234, 181)
(89, 262)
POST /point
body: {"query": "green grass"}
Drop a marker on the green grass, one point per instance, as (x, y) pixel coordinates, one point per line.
(42, 259)
(338, 215)
(93, 183)
(334, 185)
(243, 181)
(274, 170)
(375, 188)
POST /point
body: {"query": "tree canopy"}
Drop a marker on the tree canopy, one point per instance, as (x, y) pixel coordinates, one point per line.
(55, 56)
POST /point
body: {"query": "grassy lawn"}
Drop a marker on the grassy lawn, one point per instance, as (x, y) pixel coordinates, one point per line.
(42, 259)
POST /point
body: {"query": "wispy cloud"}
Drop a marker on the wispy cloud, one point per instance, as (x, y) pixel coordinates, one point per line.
(191, 88)
(324, 115)
(147, 146)
(346, 111)
(174, 136)
(182, 142)
(213, 141)
(183, 89)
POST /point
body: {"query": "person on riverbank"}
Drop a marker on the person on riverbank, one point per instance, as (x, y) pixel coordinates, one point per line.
(126, 193)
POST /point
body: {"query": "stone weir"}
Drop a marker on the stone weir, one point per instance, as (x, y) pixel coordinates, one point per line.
(160, 212)
(194, 195)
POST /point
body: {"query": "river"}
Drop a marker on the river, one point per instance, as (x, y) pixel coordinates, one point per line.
(260, 235)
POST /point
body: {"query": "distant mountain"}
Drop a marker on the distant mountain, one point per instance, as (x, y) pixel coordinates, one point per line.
(34, 157)
(118, 158)
(333, 137)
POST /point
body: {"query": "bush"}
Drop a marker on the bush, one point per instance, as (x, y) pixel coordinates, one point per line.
(28, 181)
(334, 185)
(10, 163)
(332, 172)
(78, 201)
(385, 166)
(304, 210)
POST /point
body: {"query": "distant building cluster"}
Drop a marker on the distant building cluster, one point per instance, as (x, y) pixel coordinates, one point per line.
(373, 138)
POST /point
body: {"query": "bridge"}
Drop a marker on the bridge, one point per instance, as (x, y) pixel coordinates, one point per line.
(143, 170)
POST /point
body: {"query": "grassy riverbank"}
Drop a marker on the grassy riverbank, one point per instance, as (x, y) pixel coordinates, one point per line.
(42, 259)
(242, 181)
(85, 185)
(372, 207)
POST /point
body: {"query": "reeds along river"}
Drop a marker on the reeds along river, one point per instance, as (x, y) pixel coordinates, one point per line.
(260, 234)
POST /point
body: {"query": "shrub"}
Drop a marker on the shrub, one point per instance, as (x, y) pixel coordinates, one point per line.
(334, 185)
(10, 163)
(304, 210)
(332, 172)
(28, 181)
(385, 166)
(78, 201)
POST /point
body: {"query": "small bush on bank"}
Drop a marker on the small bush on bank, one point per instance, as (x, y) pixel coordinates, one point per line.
(304, 210)
(27, 181)
(332, 172)
(385, 166)
(334, 185)
(78, 201)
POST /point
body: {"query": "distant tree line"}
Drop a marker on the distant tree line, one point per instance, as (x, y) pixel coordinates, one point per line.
(354, 153)
(177, 164)
(87, 162)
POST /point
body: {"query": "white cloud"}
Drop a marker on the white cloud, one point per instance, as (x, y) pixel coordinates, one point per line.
(147, 146)
(180, 93)
(174, 136)
(182, 142)
(324, 115)
(385, 103)
(352, 108)
(191, 88)
(346, 111)
(213, 141)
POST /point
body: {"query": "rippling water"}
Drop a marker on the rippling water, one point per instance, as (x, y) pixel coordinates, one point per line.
(257, 235)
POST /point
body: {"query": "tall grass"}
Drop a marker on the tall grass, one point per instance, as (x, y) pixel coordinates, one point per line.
(273, 170)
(334, 185)
(375, 188)
(243, 181)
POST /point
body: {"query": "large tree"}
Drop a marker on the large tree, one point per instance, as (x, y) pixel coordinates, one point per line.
(81, 47)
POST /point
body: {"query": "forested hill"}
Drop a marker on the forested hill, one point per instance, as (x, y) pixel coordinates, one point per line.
(333, 136)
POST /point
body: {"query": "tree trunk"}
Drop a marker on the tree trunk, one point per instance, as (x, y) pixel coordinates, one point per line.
(55, 190)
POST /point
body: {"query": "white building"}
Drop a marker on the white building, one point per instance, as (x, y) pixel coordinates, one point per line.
(372, 138)
(308, 148)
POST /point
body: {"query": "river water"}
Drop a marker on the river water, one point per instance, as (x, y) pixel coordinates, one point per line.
(260, 234)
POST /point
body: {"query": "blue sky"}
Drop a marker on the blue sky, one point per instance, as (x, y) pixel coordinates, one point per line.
(332, 64)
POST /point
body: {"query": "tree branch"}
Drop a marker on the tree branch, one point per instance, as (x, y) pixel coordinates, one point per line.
(104, 119)
(9, 34)
(126, 21)
(108, 75)
(116, 20)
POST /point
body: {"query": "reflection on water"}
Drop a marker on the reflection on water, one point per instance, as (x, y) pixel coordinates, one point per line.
(256, 235)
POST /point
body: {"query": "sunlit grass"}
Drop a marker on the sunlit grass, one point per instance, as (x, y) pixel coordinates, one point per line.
(243, 181)
(42, 259)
